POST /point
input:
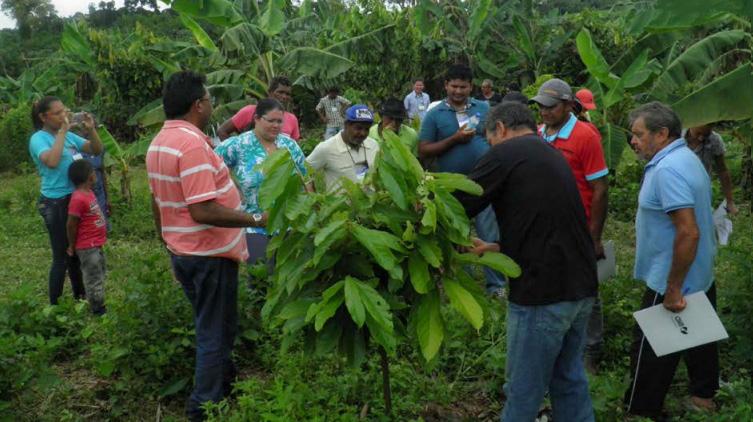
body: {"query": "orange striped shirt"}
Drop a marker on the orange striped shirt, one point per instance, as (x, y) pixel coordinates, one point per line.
(183, 169)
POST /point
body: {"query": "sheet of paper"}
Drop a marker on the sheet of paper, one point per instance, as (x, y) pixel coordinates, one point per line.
(668, 332)
(606, 268)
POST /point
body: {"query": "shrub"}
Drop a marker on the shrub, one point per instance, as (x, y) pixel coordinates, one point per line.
(15, 129)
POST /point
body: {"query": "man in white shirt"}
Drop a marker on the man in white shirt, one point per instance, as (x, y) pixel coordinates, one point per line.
(350, 153)
(417, 102)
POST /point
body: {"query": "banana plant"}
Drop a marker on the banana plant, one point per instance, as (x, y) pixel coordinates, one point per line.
(372, 264)
(122, 157)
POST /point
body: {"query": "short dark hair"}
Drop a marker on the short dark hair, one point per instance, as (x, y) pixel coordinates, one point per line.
(656, 116)
(513, 115)
(515, 97)
(79, 172)
(459, 71)
(181, 91)
(277, 81)
(39, 107)
(265, 106)
(333, 89)
(418, 80)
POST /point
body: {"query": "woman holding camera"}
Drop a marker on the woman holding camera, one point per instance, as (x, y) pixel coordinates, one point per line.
(53, 148)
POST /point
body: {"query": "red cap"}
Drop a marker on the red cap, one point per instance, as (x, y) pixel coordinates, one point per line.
(586, 98)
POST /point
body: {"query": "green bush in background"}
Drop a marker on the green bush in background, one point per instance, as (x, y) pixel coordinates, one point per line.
(15, 129)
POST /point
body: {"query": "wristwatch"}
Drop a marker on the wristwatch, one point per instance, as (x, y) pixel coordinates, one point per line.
(257, 217)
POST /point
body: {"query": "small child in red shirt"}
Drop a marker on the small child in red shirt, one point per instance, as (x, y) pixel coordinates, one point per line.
(87, 233)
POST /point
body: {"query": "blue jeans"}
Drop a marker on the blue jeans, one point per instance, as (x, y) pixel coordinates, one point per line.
(211, 285)
(488, 231)
(331, 131)
(545, 353)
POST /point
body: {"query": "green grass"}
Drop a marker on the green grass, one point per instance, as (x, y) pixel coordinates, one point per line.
(136, 363)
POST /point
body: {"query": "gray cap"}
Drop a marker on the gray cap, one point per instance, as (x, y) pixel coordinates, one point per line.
(552, 92)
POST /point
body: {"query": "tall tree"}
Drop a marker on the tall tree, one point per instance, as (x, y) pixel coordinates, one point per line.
(138, 4)
(29, 14)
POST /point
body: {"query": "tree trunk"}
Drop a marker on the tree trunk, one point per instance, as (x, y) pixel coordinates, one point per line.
(386, 382)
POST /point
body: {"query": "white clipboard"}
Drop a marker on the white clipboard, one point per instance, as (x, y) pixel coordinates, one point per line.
(668, 332)
(606, 267)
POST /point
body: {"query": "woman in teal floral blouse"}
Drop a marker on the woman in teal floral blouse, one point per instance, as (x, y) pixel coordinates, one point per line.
(244, 152)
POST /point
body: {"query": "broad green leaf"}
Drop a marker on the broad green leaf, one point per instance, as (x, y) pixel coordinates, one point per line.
(198, 32)
(111, 145)
(454, 181)
(389, 178)
(591, 56)
(314, 62)
(277, 169)
(478, 18)
(244, 40)
(726, 98)
(337, 222)
(464, 302)
(296, 309)
(381, 335)
(419, 273)
(380, 244)
(429, 219)
(429, 250)
(353, 301)
(273, 20)
(494, 260)
(149, 115)
(327, 311)
(688, 66)
(683, 14)
(524, 40)
(409, 235)
(429, 325)
(613, 142)
(218, 12)
(332, 291)
(76, 44)
(375, 305)
(453, 218)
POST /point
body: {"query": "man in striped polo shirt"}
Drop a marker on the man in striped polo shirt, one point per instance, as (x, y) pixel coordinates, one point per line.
(197, 212)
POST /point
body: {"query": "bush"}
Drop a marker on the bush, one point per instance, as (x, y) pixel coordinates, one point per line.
(15, 129)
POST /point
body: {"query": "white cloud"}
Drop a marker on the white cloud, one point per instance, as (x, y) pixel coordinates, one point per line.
(65, 8)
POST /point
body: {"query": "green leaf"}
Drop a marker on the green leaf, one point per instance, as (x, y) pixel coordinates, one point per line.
(389, 178)
(327, 311)
(688, 66)
(353, 301)
(277, 169)
(494, 260)
(173, 387)
(112, 146)
(218, 12)
(380, 244)
(478, 18)
(464, 302)
(453, 218)
(244, 40)
(429, 325)
(523, 39)
(613, 142)
(725, 98)
(419, 273)
(198, 32)
(429, 250)
(272, 21)
(591, 56)
(429, 219)
(150, 115)
(683, 14)
(337, 222)
(76, 44)
(454, 181)
(316, 63)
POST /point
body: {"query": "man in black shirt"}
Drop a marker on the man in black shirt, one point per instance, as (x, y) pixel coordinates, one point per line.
(543, 228)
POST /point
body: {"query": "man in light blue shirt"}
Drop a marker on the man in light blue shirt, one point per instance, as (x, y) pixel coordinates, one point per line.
(675, 248)
(417, 102)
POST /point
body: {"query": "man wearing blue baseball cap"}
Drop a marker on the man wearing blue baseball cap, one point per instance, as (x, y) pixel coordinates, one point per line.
(350, 153)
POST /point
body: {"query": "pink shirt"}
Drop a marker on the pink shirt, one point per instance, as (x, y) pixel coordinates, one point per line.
(245, 116)
(183, 169)
(92, 227)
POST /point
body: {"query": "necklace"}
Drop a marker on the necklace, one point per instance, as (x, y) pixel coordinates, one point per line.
(347, 148)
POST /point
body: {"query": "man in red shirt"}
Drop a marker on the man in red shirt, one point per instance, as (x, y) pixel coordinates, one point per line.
(196, 210)
(280, 89)
(581, 146)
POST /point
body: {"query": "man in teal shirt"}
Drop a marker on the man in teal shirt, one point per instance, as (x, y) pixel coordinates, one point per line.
(674, 256)
(452, 132)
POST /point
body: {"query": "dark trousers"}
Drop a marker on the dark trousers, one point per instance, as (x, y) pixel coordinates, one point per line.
(54, 212)
(211, 285)
(653, 376)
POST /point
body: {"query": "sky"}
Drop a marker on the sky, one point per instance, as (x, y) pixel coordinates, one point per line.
(64, 8)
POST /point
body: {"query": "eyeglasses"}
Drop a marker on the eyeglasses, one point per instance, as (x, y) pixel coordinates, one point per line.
(272, 121)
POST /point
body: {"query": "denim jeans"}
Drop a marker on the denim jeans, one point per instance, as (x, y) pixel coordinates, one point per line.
(211, 285)
(331, 131)
(54, 212)
(488, 231)
(93, 266)
(545, 353)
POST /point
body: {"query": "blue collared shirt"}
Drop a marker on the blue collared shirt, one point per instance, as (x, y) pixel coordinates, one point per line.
(674, 179)
(441, 122)
(416, 105)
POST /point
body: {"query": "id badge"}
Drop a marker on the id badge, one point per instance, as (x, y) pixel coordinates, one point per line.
(421, 107)
(334, 109)
(361, 171)
(76, 155)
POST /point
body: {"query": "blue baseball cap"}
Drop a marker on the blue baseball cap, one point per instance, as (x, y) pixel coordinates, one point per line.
(359, 113)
